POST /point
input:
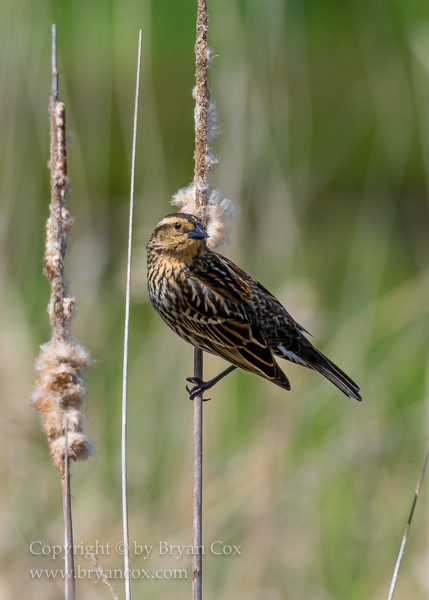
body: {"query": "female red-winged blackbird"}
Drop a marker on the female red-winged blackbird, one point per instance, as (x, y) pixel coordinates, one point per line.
(214, 305)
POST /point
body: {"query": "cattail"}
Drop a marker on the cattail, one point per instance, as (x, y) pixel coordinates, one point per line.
(218, 212)
(215, 210)
(206, 202)
(61, 365)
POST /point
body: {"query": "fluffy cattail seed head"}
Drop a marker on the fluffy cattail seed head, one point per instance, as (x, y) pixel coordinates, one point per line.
(60, 386)
(216, 211)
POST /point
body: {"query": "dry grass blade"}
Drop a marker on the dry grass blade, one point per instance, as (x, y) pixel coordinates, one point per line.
(102, 575)
(407, 528)
(127, 573)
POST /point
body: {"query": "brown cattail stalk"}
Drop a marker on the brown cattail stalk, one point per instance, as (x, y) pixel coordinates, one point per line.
(70, 588)
(201, 198)
(202, 95)
(204, 200)
(197, 493)
(200, 184)
(62, 362)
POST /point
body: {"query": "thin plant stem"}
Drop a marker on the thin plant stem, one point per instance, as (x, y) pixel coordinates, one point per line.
(127, 573)
(197, 497)
(69, 579)
(407, 528)
(200, 179)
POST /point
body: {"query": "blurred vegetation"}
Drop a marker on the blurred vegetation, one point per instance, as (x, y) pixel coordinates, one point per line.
(325, 114)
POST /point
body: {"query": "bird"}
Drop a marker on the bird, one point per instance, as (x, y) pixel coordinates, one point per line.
(213, 304)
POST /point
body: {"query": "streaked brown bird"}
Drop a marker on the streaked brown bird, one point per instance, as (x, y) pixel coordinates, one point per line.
(214, 305)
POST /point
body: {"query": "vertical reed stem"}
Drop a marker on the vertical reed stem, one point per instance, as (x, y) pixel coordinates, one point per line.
(69, 580)
(197, 533)
(126, 535)
(200, 178)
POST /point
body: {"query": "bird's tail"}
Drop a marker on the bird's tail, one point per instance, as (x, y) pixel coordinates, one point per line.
(314, 359)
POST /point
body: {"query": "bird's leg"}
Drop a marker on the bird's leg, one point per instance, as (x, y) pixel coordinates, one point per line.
(202, 386)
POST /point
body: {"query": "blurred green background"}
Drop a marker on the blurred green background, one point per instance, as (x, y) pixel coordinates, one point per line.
(324, 108)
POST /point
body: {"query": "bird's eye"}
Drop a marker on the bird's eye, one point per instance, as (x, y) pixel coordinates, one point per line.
(177, 225)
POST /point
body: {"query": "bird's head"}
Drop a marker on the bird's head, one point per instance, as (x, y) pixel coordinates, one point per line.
(180, 235)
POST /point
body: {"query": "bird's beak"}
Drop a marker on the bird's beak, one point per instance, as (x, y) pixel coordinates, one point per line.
(198, 233)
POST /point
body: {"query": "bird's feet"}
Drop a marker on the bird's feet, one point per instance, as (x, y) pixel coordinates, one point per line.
(200, 387)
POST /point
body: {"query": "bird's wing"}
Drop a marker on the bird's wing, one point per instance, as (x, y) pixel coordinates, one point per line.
(216, 318)
(290, 327)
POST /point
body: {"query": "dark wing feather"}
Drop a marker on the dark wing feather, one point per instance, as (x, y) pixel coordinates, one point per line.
(284, 335)
(255, 290)
(216, 318)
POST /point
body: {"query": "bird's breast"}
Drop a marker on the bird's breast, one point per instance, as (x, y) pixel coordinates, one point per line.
(164, 283)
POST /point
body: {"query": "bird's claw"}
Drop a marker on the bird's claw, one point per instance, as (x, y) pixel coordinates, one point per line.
(199, 387)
